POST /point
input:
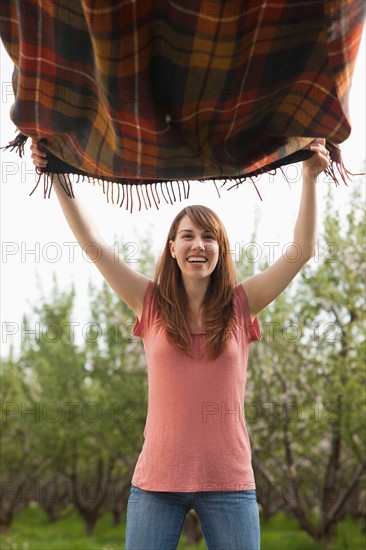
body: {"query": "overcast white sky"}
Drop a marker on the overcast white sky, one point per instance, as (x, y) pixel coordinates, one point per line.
(37, 224)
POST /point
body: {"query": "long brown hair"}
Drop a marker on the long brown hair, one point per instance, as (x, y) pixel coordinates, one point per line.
(217, 305)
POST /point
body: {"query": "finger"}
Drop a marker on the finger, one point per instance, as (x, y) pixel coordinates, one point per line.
(318, 147)
(37, 151)
(324, 159)
(39, 161)
(321, 141)
(39, 156)
(320, 150)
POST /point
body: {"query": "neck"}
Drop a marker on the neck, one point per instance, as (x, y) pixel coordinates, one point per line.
(195, 290)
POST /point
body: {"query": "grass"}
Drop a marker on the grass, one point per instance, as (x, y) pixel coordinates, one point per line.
(32, 530)
(283, 533)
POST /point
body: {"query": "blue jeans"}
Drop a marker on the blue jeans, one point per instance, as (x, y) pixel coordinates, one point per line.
(229, 520)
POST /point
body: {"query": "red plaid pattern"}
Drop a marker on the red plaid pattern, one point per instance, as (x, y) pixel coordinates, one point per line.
(142, 92)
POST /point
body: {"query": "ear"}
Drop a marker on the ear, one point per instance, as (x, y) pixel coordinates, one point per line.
(171, 248)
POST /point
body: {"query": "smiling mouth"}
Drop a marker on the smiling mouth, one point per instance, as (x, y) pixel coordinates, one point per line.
(197, 260)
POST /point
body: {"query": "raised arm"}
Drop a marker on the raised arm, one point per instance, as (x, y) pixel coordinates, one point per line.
(128, 284)
(264, 287)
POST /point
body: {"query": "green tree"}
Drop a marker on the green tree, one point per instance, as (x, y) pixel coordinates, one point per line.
(307, 389)
(117, 366)
(61, 389)
(21, 464)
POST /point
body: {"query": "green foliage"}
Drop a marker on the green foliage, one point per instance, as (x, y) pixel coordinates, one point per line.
(34, 531)
(305, 400)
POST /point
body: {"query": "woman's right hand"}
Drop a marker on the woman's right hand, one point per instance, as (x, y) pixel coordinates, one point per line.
(38, 156)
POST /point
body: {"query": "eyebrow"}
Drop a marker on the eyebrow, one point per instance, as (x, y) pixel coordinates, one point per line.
(191, 231)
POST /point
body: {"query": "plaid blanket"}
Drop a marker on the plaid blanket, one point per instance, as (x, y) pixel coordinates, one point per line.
(148, 93)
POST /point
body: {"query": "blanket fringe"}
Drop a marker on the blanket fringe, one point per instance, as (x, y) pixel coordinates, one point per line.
(342, 171)
(337, 163)
(147, 192)
(18, 143)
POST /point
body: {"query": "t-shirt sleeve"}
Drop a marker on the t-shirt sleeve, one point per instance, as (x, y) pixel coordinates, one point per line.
(252, 328)
(147, 314)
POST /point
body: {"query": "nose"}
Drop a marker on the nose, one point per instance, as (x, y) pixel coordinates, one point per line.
(198, 244)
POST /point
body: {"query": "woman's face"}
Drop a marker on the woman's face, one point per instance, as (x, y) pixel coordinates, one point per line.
(195, 249)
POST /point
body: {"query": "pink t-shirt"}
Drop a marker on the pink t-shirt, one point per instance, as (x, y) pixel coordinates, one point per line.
(195, 437)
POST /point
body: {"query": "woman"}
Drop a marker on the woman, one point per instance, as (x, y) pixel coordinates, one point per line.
(197, 323)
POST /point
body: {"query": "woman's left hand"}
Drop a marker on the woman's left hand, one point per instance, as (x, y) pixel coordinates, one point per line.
(319, 162)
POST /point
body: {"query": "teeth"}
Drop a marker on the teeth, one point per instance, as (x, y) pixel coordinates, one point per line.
(197, 259)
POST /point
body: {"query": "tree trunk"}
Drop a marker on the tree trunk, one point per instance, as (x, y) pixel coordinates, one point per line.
(331, 482)
(5, 528)
(116, 512)
(192, 528)
(90, 523)
(6, 518)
